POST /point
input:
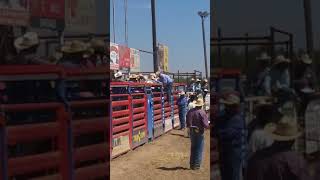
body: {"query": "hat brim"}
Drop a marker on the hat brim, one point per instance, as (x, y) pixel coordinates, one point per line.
(228, 102)
(68, 49)
(307, 61)
(270, 128)
(282, 62)
(20, 45)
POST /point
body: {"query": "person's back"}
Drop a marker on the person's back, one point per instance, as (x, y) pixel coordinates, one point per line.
(270, 163)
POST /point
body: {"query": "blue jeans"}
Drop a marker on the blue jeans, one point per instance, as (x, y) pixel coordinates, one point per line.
(182, 116)
(197, 143)
(169, 92)
(231, 165)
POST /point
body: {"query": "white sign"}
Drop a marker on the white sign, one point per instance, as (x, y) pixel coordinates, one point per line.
(135, 60)
(114, 56)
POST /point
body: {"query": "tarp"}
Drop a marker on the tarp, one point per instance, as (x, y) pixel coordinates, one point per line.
(163, 52)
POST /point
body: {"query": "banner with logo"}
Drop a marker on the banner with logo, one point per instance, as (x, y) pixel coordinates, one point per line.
(48, 14)
(134, 60)
(114, 56)
(81, 16)
(14, 12)
(163, 52)
(124, 58)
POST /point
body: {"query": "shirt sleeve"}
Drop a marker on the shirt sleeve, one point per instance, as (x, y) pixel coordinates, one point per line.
(205, 120)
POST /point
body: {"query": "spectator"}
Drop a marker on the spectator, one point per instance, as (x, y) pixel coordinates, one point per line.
(279, 161)
(182, 105)
(205, 89)
(118, 77)
(262, 84)
(197, 121)
(198, 89)
(230, 132)
(191, 87)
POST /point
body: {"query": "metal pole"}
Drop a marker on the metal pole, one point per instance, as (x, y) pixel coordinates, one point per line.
(272, 42)
(113, 24)
(204, 47)
(308, 26)
(247, 53)
(219, 48)
(126, 20)
(154, 37)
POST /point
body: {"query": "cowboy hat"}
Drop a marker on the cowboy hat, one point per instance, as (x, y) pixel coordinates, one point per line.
(205, 80)
(74, 47)
(306, 59)
(264, 57)
(231, 99)
(192, 79)
(281, 59)
(118, 74)
(158, 73)
(198, 80)
(199, 102)
(182, 93)
(26, 41)
(133, 76)
(285, 130)
(97, 44)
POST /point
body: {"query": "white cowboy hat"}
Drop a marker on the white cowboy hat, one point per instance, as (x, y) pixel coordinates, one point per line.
(205, 80)
(74, 47)
(199, 102)
(264, 57)
(182, 93)
(306, 59)
(285, 130)
(281, 59)
(192, 79)
(118, 74)
(231, 99)
(26, 41)
(198, 80)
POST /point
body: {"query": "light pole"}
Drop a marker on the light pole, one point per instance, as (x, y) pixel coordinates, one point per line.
(203, 15)
(154, 36)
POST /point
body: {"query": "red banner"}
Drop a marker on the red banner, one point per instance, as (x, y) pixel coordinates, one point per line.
(124, 57)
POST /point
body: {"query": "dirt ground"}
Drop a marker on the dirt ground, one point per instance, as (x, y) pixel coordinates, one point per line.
(167, 157)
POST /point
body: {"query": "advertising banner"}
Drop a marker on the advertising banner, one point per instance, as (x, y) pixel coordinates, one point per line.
(124, 58)
(81, 16)
(48, 14)
(134, 60)
(114, 56)
(14, 12)
(163, 57)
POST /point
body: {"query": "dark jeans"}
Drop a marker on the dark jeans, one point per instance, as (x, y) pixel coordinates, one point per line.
(182, 116)
(231, 165)
(169, 92)
(197, 143)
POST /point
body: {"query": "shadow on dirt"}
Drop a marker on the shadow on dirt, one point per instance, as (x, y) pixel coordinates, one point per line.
(173, 168)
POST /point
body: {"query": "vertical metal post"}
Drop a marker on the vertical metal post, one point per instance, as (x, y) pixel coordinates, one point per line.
(154, 36)
(113, 24)
(204, 47)
(247, 53)
(219, 48)
(308, 26)
(272, 53)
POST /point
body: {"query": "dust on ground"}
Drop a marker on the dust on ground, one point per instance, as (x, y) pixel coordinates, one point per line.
(165, 158)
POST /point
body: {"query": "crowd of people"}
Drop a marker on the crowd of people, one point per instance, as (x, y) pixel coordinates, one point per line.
(264, 149)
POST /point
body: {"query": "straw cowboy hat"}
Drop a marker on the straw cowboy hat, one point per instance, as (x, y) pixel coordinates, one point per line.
(26, 41)
(264, 57)
(74, 47)
(205, 80)
(133, 76)
(118, 74)
(192, 79)
(281, 59)
(231, 99)
(306, 59)
(152, 76)
(199, 102)
(158, 73)
(285, 130)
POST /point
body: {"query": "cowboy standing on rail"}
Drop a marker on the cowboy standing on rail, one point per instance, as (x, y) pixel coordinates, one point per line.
(197, 121)
(230, 131)
(262, 85)
(167, 84)
(182, 104)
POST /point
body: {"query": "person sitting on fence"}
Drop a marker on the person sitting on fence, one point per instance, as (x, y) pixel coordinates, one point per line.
(262, 83)
(191, 86)
(182, 105)
(198, 89)
(279, 161)
(99, 57)
(167, 84)
(74, 53)
(118, 77)
(197, 121)
(205, 89)
(154, 78)
(133, 78)
(230, 131)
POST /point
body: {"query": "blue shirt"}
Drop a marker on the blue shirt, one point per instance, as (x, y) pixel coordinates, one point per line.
(182, 102)
(165, 79)
(279, 79)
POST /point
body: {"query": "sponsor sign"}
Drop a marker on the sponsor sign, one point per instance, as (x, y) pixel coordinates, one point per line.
(120, 145)
(114, 56)
(134, 60)
(14, 12)
(124, 57)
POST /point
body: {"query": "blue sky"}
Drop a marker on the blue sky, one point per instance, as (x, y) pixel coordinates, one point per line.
(178, 27)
